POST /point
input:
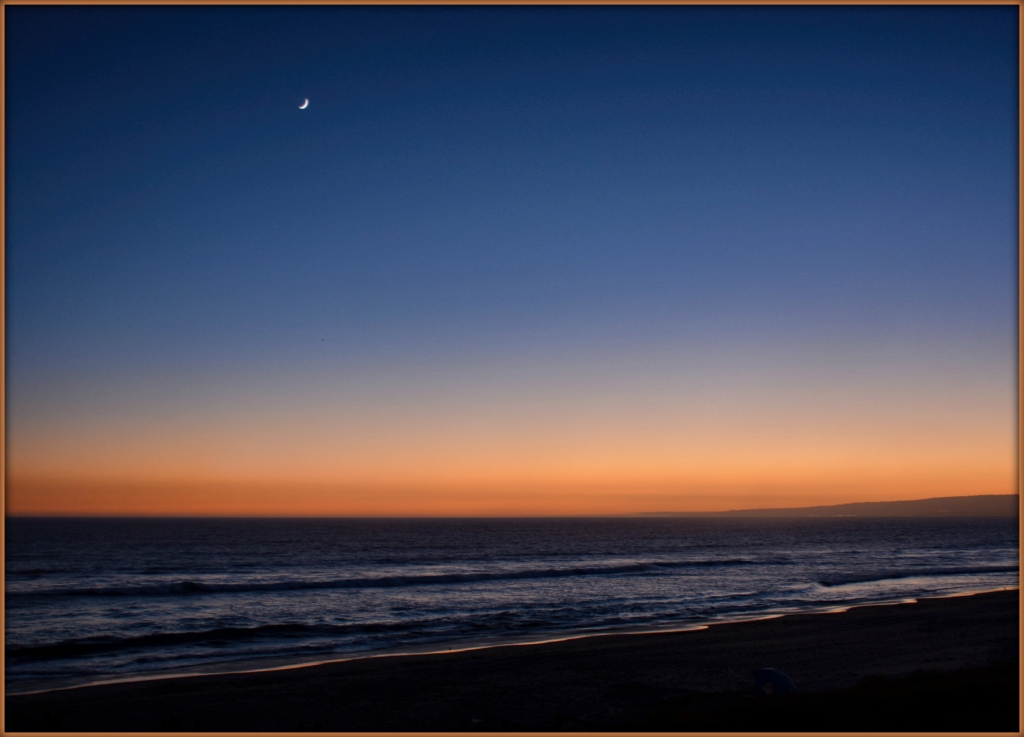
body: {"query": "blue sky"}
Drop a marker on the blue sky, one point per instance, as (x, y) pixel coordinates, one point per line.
(472, 186)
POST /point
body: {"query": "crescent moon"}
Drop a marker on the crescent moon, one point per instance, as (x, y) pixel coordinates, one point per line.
(304, 105)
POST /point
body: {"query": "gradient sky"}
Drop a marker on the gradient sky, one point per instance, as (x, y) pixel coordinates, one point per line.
(520, 260)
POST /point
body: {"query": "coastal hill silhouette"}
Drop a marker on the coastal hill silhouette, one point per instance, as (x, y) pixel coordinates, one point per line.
(986, 505)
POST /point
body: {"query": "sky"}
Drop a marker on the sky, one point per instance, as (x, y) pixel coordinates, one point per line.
(509, 260)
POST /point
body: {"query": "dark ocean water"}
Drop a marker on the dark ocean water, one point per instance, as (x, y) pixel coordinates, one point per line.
(102, 599)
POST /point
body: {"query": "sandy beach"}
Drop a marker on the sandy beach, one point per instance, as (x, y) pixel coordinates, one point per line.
(922, 666)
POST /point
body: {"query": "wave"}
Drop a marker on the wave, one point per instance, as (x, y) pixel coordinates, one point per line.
(913, 573)
(429, 579)
(211, 637)
(33, 571)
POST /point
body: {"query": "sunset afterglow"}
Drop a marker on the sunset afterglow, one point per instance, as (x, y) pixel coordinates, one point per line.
(506, 263)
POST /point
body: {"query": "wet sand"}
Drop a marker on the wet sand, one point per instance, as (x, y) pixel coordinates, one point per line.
(932, 665)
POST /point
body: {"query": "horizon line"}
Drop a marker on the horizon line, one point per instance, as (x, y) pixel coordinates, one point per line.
(514, 516)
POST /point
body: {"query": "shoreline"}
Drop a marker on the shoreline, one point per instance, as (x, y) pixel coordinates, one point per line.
(460, 646)
(588, 682)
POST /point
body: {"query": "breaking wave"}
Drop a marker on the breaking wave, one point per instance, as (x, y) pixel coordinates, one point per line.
(212, 637)
(843, 580)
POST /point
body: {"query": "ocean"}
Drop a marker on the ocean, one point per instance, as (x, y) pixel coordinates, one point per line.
(94, 600)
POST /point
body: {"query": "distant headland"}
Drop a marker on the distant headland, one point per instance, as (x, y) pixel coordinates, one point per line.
(986, 505)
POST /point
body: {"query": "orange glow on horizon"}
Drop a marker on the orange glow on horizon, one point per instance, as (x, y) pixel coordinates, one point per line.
(118, 497)
(536, 440)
